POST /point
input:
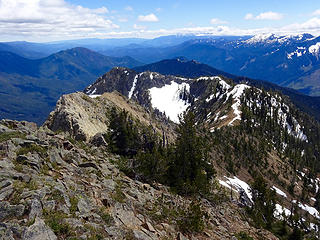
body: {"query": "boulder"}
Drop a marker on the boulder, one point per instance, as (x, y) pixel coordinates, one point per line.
(39, 231)
(7, 210)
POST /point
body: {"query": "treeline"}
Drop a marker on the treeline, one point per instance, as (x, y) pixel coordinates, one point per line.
(183, 165)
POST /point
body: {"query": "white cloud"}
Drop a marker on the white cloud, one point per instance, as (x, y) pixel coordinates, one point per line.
(264, 16)
(311, 26)
(249, 16)
(148, 18)
(129, 8)
(316, 12)
(216, 21)
(51, 19)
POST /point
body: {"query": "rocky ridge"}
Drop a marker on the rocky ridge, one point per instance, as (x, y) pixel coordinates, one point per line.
(54, 187)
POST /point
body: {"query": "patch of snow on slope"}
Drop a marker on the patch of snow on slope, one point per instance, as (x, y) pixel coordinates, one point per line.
(314, 49)
(167, 99)
(94, 95)
(236, 93)
(299, 52)
(280, 210)
(311, 210)
(278, 191)
(237, 185)
(133, 86)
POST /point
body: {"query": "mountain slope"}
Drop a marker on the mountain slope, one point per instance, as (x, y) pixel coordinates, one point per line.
(30, 88)
(252, 131)
(192, 69)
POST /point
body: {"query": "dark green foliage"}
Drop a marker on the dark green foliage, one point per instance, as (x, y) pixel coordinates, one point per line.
(8, 135)
(243, 236)
(153, 164)
(296, 234)
(189, 170)
(264, 200)
(192, 218)
(123, 135)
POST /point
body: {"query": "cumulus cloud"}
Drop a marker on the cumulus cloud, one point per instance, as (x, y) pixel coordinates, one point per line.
(264, 16)
(216, 21)
(51, 18)
(311, 26)
(148, 18)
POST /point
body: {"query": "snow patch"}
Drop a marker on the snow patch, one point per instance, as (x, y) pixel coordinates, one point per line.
(95, 95)
(167, 99)
(280, 211)
(133, 86)
(236, 184)
(315, 49)
(311, 210)
(236, 93)
(278, 191)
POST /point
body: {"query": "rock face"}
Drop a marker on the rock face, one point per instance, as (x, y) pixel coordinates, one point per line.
(77, 192)
(75, 114)
(86, 118)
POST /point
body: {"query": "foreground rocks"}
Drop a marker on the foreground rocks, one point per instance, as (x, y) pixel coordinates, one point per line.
(54, 187)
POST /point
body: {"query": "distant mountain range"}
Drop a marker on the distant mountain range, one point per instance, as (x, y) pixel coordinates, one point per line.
(290, 61)
(30, 88)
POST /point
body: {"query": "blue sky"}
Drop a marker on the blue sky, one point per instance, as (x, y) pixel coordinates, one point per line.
(46, 20)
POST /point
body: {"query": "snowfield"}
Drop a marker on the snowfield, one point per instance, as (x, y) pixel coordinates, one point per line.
(167, 99)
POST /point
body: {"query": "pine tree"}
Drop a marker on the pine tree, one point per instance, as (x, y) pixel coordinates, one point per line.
(190, 171)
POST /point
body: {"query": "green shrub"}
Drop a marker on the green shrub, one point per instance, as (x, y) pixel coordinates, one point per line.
(32, 148)
(74, 204)
(55, 220)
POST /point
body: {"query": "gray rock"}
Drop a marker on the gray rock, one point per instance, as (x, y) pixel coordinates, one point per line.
(139, 235)
(39, 231)
(149, 227)
(84, 205)
(109, 184)
(22, 142)
(4, 129)
(126, 218)
(32, 160)
(55, 157)
(98, 140)
(36, 209)
(49, 205)
(7, 210)
(5, 192)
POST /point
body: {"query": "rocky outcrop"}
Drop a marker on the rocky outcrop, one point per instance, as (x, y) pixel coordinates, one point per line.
(79, 115)
(86, 118)
(77, 191)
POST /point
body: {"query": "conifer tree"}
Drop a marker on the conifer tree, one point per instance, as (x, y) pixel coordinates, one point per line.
(190, 171)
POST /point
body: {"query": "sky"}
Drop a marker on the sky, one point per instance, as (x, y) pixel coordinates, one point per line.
(52, 20)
